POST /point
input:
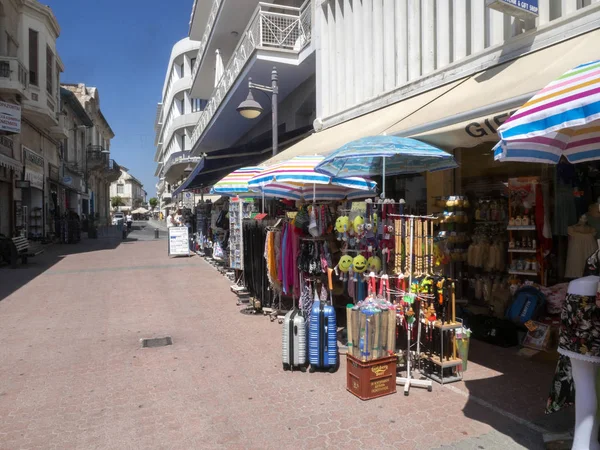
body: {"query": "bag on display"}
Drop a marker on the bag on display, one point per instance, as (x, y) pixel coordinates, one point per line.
(528, 304)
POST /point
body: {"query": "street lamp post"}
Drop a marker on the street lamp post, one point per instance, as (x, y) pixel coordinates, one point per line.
(251, 109)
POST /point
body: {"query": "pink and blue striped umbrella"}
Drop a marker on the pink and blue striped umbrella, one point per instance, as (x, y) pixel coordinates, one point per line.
(297, 179)
(563, 119)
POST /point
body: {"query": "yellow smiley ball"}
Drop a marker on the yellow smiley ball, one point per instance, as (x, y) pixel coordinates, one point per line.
(345, 263)
(358, 222)
(374, 263)
(359, 264)
(341, 224)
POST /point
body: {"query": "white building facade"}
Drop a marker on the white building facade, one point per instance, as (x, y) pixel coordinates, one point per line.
(176, 115)
(237, 41)
(130, 189)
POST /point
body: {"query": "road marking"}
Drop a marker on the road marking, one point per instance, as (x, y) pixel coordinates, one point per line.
(500, 411)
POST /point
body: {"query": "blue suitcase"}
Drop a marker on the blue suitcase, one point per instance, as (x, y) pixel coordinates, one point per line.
(322, 338)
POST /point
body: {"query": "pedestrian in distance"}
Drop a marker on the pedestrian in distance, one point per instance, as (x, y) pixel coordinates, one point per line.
(129, 222)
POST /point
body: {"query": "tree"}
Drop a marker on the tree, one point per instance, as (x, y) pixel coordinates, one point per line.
(117, 201)
(153, 202)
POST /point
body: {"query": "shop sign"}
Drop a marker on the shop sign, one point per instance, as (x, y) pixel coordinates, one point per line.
(188, 200)
(53, 172)
(36, 179)
(32, 159)
(67, 181)
(487, 127)
(22, 184)
(523, 9)
(6, 146)
(10, 117)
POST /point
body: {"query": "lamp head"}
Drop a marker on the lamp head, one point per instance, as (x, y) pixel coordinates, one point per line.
(188, 169)
(250, 108)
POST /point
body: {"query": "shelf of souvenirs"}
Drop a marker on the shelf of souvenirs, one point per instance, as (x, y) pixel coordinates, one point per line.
(522, 250)
(521, 228)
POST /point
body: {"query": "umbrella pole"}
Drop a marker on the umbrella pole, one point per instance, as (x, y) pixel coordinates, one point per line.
(383, 179)
(314, 193)
(263, 201)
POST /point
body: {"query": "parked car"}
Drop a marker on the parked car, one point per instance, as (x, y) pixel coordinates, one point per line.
(118, 218)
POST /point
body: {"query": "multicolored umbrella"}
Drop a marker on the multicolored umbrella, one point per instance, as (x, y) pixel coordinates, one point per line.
(561, 119)
(385, 155)
(296, 178)
(236, 183)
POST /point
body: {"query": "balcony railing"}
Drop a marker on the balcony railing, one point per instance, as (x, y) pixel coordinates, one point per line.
(13, 70)
(112, 172)
(97, 157)
(289, 31)
(212, 17)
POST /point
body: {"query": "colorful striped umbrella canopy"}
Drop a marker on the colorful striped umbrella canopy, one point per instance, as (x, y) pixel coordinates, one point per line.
(296, 178)
(236, 183)
(385, 155)
(561, 119)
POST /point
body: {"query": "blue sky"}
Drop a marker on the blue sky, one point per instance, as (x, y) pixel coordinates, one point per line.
(123, 47)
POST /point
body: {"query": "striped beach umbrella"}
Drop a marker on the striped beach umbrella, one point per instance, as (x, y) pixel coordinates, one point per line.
(563, 119)
(236, 183)
(297, 179)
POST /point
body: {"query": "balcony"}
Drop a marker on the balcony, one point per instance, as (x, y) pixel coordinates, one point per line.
(97, 157)
(13, 76)
(175, 165)
(112, 171)
(275, 35)
(61, 130)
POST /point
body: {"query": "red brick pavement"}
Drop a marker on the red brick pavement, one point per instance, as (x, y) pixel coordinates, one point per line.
(73, 375)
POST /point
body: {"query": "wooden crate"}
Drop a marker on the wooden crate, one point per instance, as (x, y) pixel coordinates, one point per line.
(371, 379)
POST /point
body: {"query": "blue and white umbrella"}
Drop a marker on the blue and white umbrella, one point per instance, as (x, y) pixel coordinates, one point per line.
(385, 155)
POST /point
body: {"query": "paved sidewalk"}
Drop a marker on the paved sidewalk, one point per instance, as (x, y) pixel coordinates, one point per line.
(74, 376)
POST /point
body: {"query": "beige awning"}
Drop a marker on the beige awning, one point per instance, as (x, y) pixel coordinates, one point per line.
(464, 113)
(370, 124)
(471, 112)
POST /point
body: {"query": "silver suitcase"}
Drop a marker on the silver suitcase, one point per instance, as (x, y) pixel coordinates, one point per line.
(294, 341)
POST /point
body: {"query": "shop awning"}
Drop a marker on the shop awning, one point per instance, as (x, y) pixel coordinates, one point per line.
(218, 164)
(10, 163)
(374, 123)
(463, 113)
(471, 112)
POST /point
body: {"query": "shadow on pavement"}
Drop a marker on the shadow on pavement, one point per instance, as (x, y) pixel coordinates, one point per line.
(502, 380)
(13, 279)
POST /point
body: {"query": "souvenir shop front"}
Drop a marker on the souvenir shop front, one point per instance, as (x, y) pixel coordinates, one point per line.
(33, 197)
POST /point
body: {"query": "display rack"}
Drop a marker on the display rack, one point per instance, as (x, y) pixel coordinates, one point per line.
(523, 251)
(239, 209)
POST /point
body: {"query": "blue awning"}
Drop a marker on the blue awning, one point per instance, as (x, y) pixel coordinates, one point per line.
(220, 163)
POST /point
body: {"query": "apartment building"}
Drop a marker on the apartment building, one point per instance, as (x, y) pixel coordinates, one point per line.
(30, 71)
(236, 41)
(176, 115)
(130, 189)
(100, 170)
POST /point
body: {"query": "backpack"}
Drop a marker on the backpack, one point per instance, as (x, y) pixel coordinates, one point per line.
(528, 304)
